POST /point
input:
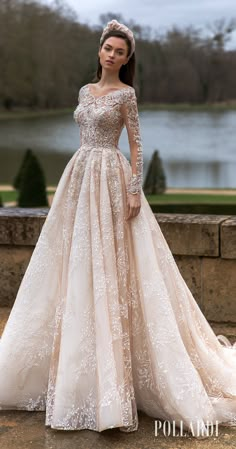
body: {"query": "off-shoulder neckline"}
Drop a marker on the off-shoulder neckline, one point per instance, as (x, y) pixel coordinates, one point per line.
(109, 93)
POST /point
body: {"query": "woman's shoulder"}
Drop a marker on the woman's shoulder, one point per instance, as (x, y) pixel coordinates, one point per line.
(82, 91)
(83, 87)
(122, 93)
(117, 87)
(126, 88)
(123, 85)
(128, 93)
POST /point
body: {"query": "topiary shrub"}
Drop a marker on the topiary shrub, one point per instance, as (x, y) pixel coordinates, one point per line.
(30, 181)
(17, 180)
(155, 180)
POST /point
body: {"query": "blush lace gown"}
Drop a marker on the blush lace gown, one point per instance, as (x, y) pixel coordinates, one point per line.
(103, 323)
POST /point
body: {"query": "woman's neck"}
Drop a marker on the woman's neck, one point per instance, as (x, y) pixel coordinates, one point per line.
(108, 79)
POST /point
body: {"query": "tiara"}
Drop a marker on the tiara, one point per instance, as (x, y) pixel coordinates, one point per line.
(114, 25)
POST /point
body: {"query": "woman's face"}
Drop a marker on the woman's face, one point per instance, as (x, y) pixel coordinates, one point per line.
(114, 49)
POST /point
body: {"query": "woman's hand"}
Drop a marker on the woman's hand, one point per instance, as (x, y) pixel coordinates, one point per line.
(133, 205)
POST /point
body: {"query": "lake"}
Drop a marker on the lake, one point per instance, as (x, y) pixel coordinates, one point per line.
(198, 148)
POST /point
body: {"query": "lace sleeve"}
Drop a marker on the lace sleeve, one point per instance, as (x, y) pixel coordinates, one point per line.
(75, 114)
(131, 120)
(81, 93)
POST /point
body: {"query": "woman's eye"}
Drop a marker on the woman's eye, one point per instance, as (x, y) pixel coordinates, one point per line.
(119, 52)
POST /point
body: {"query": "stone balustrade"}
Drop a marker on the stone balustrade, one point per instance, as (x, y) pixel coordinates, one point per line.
(204, 247)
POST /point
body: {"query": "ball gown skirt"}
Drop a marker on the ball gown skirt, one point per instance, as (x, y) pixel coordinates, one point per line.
(103, 324)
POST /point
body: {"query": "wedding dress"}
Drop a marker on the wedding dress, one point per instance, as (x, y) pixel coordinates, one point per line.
(103, 324)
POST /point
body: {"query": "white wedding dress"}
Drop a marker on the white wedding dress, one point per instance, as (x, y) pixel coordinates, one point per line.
(103, 323)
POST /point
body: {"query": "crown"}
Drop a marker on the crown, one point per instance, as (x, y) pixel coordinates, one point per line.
(114, 25)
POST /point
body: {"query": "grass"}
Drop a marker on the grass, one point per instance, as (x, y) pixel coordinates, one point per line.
(191, 198)
(166, 198)
(11, 195)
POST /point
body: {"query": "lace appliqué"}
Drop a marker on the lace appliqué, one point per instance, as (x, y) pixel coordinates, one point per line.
(103, 324)
(131, 118)
(115, 110)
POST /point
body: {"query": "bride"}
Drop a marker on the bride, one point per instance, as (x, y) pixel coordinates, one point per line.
(103, 324)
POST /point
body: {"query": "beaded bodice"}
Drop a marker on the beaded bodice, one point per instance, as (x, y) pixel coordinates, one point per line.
(101, 120)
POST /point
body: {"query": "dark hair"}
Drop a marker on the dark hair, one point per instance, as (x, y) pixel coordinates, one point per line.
(127, 71)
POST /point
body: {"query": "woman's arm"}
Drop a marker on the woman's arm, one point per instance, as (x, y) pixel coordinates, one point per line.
(131, 120)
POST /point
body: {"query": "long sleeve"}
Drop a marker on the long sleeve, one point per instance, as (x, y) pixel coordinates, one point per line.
(76, 111)
(80, 93)
(131, 120)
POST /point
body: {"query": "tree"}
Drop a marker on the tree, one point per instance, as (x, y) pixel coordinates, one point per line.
(222, 32)
(18, 178)
(31, 183)
(155, 181)
(107, 17)
(47, 54)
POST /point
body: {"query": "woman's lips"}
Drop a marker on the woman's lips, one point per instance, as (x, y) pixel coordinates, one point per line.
(111, 62)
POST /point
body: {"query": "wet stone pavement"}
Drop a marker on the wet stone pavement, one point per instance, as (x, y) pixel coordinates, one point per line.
(24, 430)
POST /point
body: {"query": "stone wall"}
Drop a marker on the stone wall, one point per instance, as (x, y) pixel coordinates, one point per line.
(204, 247)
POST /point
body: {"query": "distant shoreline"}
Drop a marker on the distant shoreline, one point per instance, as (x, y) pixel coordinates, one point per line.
(27, 113)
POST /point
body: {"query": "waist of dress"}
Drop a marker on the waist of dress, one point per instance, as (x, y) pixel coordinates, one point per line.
(100, 148)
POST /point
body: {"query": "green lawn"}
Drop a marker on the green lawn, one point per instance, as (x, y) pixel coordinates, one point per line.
(11, 195)
(191, 198)
(8, 195)
(167, 198)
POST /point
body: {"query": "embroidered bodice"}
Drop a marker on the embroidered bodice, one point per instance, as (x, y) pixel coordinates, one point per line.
(101, 120)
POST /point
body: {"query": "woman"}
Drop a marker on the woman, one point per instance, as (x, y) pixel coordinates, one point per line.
(103, 323)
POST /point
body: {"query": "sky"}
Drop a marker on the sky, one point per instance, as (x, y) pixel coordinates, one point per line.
(160, 15)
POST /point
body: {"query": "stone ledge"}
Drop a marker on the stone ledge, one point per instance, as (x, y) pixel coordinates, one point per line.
(186, 234)
(204, 248)
(228, 238)
(21, 226)
(190, 234)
